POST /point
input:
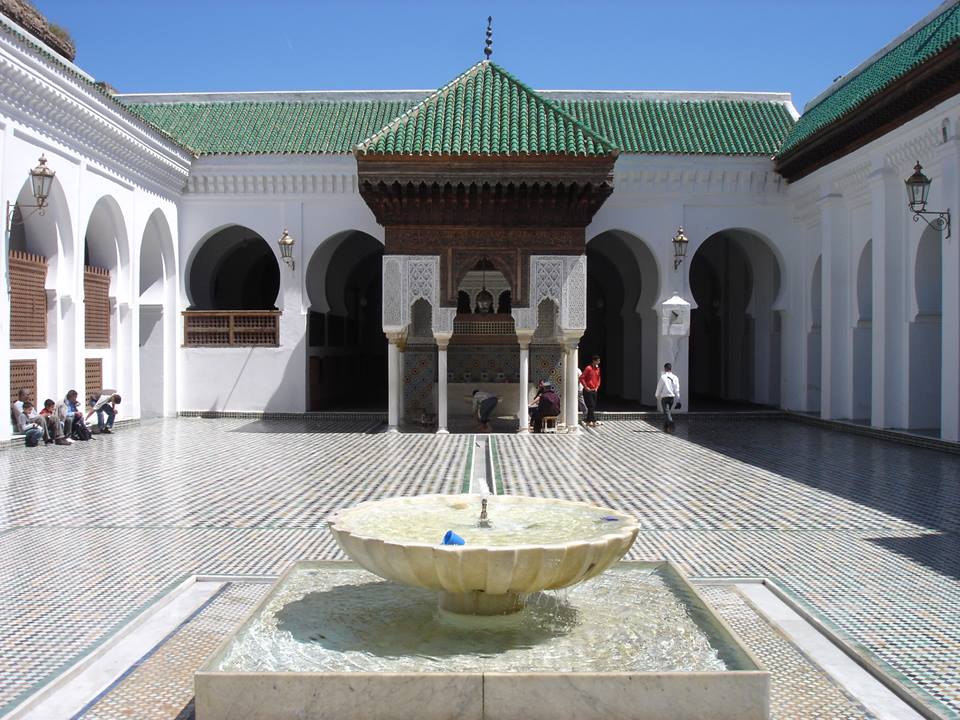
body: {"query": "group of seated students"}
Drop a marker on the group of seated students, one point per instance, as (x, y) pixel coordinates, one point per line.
(63, 422)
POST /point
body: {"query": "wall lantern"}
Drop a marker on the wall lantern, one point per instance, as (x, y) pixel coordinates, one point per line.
(679, 247)
(918, 188)
(286, 248)
(41, 178)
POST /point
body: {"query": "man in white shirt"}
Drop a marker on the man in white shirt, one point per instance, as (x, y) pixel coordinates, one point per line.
(668, 394)
(483, 405)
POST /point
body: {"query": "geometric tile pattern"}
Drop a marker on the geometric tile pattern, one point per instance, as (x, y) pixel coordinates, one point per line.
(91, 534)
(863, 532)
(799, 690)
(162, 686)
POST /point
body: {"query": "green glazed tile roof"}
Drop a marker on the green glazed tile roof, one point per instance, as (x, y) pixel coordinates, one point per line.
(486, 111)
(921, 45)
(235, 128)
(689, 127)
(721, 127)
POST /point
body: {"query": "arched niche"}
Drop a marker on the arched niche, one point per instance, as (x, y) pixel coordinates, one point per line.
(333, 263)
(483, 290)
(928, 273)
(623, 285)
(49, 235)
(863, 336)
(105, 242)
(346, 346)
(814, 338)
(233, 269)
(157, 295)
(735, 280)
(926, 334)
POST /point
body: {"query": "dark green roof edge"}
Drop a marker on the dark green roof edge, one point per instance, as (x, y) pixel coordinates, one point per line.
(927, 41)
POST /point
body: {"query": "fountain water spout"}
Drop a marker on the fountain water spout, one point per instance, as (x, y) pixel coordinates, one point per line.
(484, 521)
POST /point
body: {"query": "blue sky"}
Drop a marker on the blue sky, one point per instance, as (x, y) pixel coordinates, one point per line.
(796, 46)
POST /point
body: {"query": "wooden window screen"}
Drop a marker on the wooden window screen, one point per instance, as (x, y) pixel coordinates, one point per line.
(23, 375)
(231, 328)
(96, 306)
(93, 376)
(28, 300)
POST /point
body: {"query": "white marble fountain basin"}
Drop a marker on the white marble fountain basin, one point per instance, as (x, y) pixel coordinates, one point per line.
(533, 544)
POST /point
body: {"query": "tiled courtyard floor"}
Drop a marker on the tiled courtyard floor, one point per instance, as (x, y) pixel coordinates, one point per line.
(862, 531)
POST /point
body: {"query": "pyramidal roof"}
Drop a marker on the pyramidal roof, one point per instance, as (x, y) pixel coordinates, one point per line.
(486, 111)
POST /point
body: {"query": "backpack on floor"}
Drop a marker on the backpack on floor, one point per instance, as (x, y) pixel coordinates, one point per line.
(81, 432)
(32, 440)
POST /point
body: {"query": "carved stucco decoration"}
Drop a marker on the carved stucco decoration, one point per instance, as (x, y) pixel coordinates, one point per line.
(406, 279)
(562, 279)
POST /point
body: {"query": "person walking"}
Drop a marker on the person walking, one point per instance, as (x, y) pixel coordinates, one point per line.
(590, 380)
(668, 396)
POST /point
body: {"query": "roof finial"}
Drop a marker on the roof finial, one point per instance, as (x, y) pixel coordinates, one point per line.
(488, 50)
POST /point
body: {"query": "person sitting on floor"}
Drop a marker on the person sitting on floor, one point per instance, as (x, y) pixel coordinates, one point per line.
(71, 415)
(104, 405)
(545, 404)
(54, 426)
(31, 427)
(16, 407)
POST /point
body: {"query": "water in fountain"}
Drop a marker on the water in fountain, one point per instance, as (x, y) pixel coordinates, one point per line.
(327, 619)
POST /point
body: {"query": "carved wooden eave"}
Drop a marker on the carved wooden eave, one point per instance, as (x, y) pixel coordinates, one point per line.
(492, 191)
(908, 97)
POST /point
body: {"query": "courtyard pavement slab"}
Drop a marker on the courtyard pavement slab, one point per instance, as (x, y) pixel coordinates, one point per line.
(860, 531)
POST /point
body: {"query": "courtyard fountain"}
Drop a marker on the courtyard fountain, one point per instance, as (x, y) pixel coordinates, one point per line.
(512, 607)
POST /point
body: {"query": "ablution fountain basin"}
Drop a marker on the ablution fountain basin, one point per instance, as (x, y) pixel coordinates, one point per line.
(523, 546)
(536, 619)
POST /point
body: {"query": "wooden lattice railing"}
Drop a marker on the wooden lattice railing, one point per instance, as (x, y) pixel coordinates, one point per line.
(231, 328)
(28, 300)
(96, 306)
(483, 325)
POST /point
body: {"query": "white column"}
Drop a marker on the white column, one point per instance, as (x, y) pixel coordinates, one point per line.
(394, 384)
(442, 342)
(570, 388)
(950, 298)
(523, 394)
(890, 342)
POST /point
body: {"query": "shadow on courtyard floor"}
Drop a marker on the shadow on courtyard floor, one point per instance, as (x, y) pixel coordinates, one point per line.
(917, 485)
(940, 552)
(312, 426)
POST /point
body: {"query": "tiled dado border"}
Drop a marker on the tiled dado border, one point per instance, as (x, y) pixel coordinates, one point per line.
(899, 436)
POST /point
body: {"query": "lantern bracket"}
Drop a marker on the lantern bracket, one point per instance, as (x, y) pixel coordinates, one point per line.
(940, 220)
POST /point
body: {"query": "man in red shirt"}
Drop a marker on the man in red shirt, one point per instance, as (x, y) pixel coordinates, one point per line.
(590, 379)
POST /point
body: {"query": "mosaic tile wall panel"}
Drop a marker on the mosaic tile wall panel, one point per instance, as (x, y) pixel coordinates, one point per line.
(420, 377)
(470, 363)
(546, 362)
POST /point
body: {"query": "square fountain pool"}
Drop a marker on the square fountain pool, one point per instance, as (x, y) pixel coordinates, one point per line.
(331, 640)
